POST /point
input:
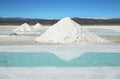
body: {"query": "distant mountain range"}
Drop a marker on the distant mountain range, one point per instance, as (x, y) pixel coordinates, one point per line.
(82, 21)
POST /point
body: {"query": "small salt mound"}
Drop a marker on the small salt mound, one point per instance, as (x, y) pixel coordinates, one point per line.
(37, 27)
(24, 28)
(66, 31)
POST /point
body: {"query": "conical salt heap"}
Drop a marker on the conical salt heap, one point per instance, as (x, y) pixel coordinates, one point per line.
(24, 28)
(37, 27)
(66, 31)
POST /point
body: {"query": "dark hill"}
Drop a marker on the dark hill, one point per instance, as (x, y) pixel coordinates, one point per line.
(82, 21)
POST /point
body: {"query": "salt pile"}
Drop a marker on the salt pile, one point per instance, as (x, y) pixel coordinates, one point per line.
(66, 31)
(24, 28)
(37, 27)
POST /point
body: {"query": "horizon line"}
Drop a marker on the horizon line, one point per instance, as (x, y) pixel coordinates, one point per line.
(61, 18)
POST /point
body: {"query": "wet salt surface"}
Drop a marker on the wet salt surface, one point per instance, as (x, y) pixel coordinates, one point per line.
(5, 32)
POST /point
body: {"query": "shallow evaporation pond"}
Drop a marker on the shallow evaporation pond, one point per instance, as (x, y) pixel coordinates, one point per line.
(5, 32)
(14, 59)
(106, 33)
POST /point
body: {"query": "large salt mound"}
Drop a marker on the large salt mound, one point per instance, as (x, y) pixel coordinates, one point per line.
(24, 28)
(37, 27)
(66, 31)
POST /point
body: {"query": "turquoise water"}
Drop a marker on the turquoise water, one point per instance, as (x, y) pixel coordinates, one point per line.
(47, 59)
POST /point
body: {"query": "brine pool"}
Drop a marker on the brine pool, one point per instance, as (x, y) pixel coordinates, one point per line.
(31, 59)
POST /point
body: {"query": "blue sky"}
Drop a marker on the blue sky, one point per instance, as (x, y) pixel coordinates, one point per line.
(60, 8)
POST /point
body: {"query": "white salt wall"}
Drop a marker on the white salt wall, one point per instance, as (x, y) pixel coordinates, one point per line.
(60, 73)
(67, 31)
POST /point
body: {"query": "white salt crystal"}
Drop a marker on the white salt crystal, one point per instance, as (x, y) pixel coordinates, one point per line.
(66, 31)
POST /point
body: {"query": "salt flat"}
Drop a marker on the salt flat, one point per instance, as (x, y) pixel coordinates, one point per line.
(25, 43)
(28, 38)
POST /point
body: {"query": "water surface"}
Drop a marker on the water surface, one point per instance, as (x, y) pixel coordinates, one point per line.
(12, 59)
